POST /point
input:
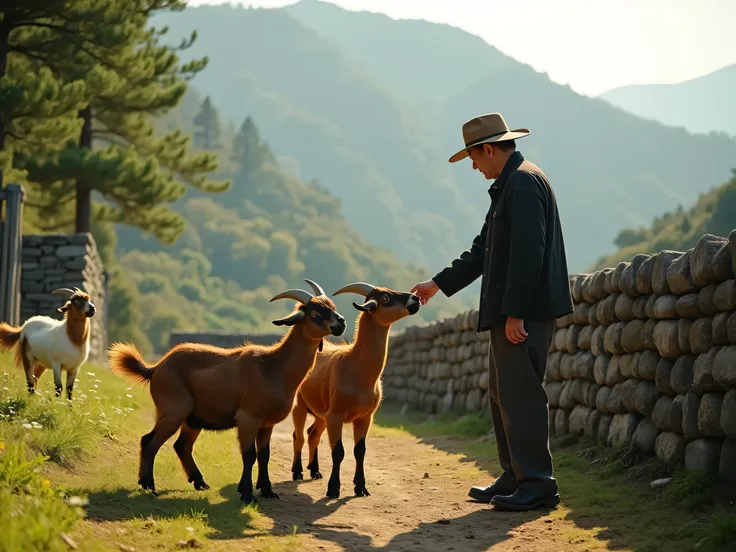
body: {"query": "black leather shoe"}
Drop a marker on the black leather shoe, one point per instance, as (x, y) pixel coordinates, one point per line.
(485, 494)
(523, 500)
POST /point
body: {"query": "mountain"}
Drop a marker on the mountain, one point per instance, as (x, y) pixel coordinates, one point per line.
(372, 107)
(713, 213)
(704, 104)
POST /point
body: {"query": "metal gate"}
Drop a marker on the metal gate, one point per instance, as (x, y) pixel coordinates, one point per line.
(11, 243)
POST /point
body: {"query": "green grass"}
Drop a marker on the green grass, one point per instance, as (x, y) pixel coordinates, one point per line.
(605, 491)
(52, 450)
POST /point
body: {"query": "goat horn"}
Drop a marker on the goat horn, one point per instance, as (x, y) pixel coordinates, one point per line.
(317, 289)
(297, 294)
(360, 288)
(62, 291)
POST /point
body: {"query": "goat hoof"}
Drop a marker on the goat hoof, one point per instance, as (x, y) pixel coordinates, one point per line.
(316, 475)
(297, 476)
(201, 485)
(333, 492)
(361, 491)
(248, 500)
(268, 493)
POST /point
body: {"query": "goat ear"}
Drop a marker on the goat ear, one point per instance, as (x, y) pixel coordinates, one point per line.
(298, 316)
(366, 307)
(63, 309)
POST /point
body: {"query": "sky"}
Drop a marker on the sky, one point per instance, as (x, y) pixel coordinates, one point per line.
(590, 45)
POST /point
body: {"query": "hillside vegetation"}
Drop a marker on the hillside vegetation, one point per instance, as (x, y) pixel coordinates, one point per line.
(373, 108)
(266, 233)
(679, 230)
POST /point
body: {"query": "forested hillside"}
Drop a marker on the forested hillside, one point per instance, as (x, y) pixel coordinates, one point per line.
(375, 120)
(195, 218)
(679, 230)
(267, 232)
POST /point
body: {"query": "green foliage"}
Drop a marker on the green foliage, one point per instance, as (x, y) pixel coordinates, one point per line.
(714, 213)
(32, 513)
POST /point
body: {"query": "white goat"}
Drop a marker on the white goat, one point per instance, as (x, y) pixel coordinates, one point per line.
(60, 345)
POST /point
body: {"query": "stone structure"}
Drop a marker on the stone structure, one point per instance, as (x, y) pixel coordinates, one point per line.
(648, 359)
(51, 261)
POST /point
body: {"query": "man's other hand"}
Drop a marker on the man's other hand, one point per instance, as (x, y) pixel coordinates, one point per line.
(515, 331)
(425, 290)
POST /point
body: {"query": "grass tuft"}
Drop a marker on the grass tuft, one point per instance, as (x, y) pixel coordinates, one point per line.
(33, 514)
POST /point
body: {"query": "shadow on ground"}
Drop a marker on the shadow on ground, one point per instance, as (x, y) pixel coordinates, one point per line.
(229, 519)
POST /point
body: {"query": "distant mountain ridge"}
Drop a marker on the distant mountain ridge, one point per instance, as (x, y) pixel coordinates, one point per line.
(704, 104)
(376, 128)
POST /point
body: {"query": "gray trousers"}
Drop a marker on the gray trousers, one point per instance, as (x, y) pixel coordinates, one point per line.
(519, 407)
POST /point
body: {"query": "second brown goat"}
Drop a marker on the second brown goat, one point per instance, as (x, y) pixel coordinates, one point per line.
(251, 388)
(345, 385)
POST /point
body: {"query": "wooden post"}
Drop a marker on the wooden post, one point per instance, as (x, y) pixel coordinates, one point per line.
(11, 243)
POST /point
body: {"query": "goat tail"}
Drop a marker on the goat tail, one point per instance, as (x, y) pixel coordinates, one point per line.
(127, 361)
(9, 336)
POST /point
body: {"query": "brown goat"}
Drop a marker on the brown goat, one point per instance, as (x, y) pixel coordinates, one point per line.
(252, 387)
(44, 342)
(345, 385)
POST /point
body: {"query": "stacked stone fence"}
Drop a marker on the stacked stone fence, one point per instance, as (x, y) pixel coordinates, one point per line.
(51, 261)
(647, 359)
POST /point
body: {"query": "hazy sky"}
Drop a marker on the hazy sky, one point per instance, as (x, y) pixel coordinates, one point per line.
(592, 45)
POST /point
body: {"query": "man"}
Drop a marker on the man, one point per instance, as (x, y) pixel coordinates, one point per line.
(520, 255)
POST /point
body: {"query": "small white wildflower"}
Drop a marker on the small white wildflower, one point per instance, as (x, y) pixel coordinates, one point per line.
(90, 373)
(190, 529)
(103, 414)
(128, 388)
(6, 388)
(36, 425)
(96, 386)
(98, 381)
(129, 395)
(28, 426)
(77, 501)
(118, 411)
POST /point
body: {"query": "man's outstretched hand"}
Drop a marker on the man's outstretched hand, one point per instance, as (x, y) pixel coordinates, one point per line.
(425, 290)
(515, 331)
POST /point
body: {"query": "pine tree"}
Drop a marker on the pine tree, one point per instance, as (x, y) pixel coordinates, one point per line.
(207, 126)
(249, 152)
(37, 109)
(128, 83)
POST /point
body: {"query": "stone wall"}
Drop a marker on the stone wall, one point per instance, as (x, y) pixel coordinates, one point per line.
(51, 261)
(648, 359)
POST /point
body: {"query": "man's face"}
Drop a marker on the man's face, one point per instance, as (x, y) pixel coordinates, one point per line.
(483, 161)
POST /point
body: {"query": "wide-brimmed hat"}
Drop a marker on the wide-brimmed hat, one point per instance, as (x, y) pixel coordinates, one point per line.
(485, 129)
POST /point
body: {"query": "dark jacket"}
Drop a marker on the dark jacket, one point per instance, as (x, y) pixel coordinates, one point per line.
(519, 252)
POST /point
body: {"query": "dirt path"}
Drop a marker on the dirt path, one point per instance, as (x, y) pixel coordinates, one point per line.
(406, 510)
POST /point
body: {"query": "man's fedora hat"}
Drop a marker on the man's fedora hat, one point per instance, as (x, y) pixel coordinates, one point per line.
(486, 129)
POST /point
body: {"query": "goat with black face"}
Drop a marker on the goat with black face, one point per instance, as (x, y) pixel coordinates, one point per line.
(345, 384)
